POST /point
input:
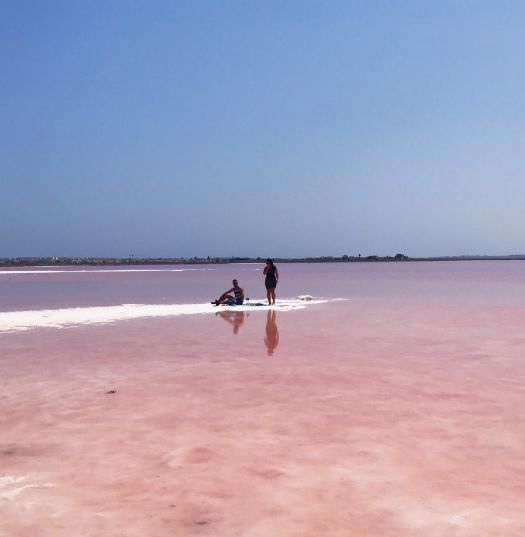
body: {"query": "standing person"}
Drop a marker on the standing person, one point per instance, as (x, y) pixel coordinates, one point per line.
(271, 277)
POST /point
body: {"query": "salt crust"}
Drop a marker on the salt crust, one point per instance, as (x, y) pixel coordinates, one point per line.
(15, 321)
(9, 492)
(94, 271)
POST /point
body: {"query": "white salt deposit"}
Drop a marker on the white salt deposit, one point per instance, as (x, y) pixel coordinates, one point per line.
(14, 321)
(24, 272)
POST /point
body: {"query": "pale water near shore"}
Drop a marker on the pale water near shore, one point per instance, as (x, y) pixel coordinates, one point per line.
(398, 411)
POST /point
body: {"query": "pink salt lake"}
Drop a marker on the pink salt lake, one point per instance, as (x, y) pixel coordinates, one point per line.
(399, 411)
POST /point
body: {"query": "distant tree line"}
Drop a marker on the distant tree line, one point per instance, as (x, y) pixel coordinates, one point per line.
(133, 260)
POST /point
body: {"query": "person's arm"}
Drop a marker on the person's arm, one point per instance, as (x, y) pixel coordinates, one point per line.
(226, 293)
(242, 292)
(276, 275)
(265, 270)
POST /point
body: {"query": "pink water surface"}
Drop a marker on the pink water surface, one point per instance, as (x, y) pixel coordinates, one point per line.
(48, 287)
(399, 411)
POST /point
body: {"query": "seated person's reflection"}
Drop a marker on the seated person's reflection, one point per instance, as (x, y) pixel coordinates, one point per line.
(272, 333)
(235, 318)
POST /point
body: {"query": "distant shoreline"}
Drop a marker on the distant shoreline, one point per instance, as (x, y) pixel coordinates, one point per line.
(116, 261)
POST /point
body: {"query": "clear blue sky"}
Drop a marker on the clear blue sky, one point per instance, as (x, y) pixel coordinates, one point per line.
(282, 128)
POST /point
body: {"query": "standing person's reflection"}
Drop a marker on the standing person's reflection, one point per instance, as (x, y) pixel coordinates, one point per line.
(235, 318)
(272, 333)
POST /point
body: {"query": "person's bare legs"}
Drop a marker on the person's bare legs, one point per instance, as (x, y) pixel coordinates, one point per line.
(269, 296)
(225, 297)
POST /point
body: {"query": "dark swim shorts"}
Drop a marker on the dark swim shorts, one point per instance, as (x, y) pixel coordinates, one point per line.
(270, 283)
(235, 302)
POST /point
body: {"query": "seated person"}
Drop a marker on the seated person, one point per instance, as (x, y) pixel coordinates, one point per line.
(231, 300)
